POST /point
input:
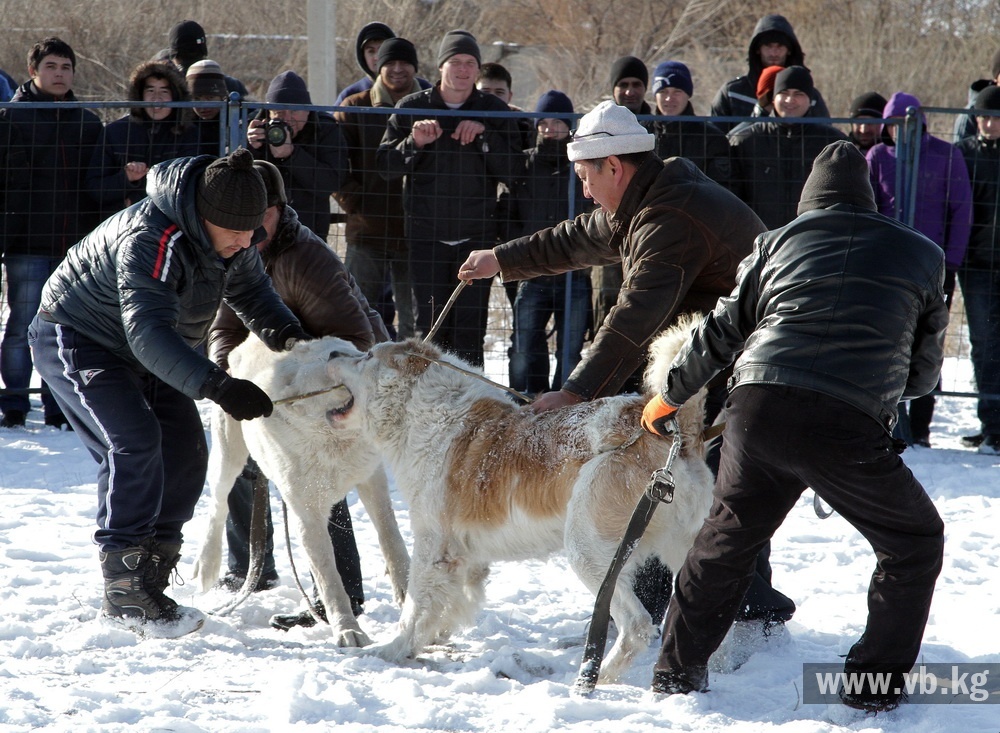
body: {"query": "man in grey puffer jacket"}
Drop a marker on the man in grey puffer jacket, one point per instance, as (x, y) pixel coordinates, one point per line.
(834, 318)
(117, 339)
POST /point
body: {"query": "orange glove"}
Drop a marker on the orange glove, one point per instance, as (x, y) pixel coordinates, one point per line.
(655, 415)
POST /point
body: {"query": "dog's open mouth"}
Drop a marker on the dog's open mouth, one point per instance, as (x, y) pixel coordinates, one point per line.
(342, 410)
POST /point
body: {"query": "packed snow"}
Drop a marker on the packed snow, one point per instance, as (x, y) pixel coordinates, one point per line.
(61, 670)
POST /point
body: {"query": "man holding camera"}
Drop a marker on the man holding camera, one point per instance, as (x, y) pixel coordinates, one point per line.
(306, 146)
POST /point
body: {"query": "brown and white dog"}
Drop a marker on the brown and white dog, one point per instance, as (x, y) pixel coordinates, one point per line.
(313, 466)
(487, 481)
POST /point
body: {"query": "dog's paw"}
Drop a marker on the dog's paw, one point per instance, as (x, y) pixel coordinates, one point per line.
(352, 638)
(395, 652)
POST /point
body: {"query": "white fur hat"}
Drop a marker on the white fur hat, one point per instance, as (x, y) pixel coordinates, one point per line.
(608, 129)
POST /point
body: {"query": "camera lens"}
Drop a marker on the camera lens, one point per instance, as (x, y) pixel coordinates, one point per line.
(277, 133)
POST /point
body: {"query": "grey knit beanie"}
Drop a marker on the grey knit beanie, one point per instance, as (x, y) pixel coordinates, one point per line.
(839, 176)
(231, 193)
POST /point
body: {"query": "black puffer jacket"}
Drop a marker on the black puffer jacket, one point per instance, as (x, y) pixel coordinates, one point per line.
(737, 97)
(842, 301)
(679, 237)
(450, 189)
(147, 283)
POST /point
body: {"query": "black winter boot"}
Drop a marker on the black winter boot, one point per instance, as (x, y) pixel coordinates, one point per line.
(134, 583)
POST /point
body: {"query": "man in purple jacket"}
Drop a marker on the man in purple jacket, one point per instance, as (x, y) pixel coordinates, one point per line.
(941, 211)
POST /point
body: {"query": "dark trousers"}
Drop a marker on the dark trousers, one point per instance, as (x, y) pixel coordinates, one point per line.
(434, 269)
(779, 441)
(762, 601)
(146, 437)
(345, 548)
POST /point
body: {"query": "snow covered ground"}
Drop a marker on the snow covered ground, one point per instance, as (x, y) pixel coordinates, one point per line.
(60, 670)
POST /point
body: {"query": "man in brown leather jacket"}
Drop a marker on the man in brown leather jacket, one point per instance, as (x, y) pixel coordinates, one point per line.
(677, 234)
(679, 237)
(317, 287)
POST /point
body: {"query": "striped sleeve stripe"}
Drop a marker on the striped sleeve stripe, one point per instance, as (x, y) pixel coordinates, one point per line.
(165, 252)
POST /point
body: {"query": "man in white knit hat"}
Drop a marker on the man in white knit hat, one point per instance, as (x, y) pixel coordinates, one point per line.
(677, 234)
(679, 237)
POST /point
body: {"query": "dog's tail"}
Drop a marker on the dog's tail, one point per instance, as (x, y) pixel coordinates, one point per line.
(691, 415)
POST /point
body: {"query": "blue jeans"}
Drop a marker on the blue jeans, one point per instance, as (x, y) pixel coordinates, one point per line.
(26, 276)
(981, 291)
(536, 301)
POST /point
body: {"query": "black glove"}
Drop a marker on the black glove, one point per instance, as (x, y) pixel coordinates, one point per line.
(241, 398)
(284, 338)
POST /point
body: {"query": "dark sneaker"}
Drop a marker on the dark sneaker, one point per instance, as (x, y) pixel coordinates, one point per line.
(305, 619)
(973, 441)
(134, 583)
(871, 702)
(12, 419)
(990, 445)
(59, 422)
(233, 582)
(283, 622)
(680, 681)
(924, 441)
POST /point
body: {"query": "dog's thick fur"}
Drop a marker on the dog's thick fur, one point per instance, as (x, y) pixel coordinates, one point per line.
(486, 481)
(312, 465)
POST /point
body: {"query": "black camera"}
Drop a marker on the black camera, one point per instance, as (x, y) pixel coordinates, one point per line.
(277, 132)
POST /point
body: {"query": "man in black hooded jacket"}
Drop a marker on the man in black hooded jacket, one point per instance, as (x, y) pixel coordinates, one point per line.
(834, 319)
(773, 44)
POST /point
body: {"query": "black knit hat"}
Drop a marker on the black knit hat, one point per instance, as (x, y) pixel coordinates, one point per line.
(396, 49)
(231, 193)
(554, 102)
(794, 77)
(287, 88)
(187, 41)
(839, 176)
(629, 66)
(273, 183)
(456, 42)
(869, 104)
(988, 98)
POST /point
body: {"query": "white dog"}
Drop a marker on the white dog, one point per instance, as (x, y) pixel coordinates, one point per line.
(487, 481)
(313, 466)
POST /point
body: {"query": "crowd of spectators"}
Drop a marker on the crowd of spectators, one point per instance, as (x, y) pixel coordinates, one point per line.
(419, 190)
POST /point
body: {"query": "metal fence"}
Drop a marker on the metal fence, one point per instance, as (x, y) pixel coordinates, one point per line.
(411, 216)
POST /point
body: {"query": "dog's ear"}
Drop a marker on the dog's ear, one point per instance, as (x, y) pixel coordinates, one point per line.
(410, 358)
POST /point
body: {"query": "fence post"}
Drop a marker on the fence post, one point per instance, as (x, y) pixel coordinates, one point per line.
(911, 133)
(234, 113)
